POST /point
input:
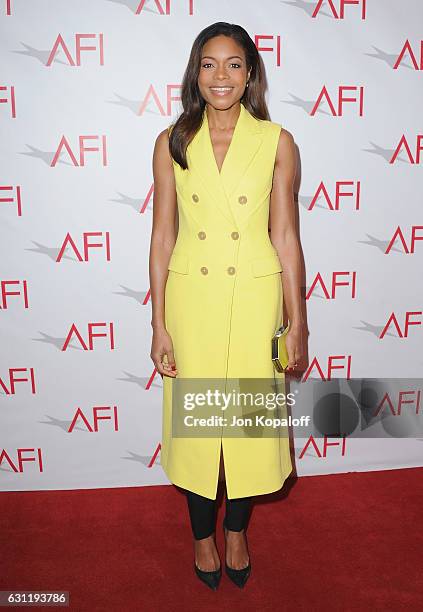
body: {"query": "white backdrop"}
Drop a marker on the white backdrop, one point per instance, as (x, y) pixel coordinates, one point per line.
(85, 88)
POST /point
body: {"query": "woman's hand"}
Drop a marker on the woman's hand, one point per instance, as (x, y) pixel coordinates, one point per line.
(294, 346)
(162, 353)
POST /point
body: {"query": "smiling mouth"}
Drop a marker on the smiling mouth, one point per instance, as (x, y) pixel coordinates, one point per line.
(221, 90)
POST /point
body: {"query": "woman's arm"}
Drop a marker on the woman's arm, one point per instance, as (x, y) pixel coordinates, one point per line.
(163, 238)
(284, 236)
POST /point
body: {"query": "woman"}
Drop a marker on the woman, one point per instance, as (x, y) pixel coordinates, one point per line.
(223, 221)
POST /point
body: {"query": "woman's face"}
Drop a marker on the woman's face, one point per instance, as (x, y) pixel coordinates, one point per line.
(223, 72)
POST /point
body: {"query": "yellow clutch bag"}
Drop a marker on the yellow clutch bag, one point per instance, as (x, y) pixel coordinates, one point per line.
(280, 356)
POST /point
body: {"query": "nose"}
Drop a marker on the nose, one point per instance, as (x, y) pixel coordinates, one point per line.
(221, 72)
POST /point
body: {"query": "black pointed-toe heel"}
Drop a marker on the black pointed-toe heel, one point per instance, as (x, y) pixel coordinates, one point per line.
(238, 576)
(212, 578)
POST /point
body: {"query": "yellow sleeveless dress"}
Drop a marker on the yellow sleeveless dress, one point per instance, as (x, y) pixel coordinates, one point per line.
(223, 303)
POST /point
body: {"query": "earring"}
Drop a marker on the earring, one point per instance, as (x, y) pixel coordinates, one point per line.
(247, 84)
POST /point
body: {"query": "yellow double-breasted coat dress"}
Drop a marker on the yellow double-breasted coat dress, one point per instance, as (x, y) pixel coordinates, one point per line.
(223, 303)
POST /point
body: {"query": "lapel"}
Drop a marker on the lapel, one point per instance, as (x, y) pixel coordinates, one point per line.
(246, 141)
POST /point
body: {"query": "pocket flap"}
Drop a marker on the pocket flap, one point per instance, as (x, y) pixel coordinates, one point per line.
(179, 262)
(266, 265)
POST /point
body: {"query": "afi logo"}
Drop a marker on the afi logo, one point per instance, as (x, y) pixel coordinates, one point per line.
(326, 443)
(334, 282)
(68, 241)
(59, 43)
(340, 99)
(334, 362)
(407, 324)
(400, 235)
(341, 4)
(35, 456)
(404, 143)
(9, 100)
(153, 96)
(353, 195)
(163, 10)
(9, 387)
(4, 292)
(110, 333)
(14, 197)
(411, 398)
(63, 144)
(110, 414)
(408, 50)
(277, 51)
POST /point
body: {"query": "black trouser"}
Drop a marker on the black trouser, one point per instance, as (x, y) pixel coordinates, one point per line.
(202, 512)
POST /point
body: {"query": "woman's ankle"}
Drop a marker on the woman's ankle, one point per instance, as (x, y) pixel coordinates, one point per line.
(206, 554)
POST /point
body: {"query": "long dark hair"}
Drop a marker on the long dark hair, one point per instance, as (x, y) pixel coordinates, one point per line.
(189, 122)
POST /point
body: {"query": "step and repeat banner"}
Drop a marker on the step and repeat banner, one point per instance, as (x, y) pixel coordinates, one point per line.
(85, 88)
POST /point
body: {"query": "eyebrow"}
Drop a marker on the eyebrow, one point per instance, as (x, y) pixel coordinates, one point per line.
(231, 57)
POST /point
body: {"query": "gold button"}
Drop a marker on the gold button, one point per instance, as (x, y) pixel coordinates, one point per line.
(201, 235)
(231, 270)
(235, 235)
(204, 270)
(195, 197)
(242, 199)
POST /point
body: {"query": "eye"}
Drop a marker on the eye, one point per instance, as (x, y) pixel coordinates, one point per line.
(231, 64)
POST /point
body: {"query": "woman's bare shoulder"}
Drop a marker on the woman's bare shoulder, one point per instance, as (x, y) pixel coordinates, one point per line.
(162, 159)
(162, 139)
(161, 146)
(286, 139)
(285, 135)
(286, 149)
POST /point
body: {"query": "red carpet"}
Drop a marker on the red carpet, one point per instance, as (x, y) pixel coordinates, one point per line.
(340, 542)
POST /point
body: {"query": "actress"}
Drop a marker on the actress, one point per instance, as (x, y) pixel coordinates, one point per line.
(224, 257)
